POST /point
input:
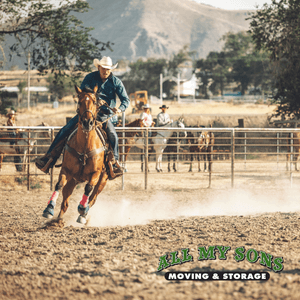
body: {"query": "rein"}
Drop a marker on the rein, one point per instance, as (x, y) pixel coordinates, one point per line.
(82, 157)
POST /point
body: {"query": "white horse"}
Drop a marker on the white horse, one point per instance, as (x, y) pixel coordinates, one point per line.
(160, 141)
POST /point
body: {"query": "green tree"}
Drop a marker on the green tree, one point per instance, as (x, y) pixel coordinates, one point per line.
(276, 29)
(144, 75)
(57, 40)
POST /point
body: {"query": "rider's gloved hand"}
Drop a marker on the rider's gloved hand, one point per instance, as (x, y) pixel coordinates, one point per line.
(116, 110)
(101, 102)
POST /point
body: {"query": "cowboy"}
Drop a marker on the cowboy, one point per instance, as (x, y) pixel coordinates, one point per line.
(147, 118)
(109, 87)
(12, 122)
(163, 118)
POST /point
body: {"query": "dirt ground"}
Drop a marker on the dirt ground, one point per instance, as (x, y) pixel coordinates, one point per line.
(117, 254)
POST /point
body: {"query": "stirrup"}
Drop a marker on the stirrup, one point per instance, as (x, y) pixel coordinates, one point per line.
(114, 172)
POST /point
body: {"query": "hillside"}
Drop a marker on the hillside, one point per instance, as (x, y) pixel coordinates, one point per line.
(155, 28)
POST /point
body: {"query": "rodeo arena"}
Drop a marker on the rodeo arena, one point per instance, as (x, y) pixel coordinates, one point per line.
(209, 177)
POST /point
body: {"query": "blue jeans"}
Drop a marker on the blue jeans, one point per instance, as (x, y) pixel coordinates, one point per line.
(70, 126)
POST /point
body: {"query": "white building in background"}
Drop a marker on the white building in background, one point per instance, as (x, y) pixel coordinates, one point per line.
(187, 87)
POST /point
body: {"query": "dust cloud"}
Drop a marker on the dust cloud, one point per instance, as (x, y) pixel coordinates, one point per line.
(201, 203)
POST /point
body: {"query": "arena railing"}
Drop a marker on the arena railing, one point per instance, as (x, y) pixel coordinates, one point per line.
(234, 152)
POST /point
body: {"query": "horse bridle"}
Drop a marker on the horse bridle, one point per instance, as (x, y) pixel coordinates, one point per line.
(88, 110)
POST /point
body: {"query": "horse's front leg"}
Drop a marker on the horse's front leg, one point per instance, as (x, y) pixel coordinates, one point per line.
(169, 158)
(191, 163)
(67, 192)
(199, 161)
(158, 161)
(83, 206)
(49, 210)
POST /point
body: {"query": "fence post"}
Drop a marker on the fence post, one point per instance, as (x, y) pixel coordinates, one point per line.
(232, 156)
(245, 149)
(291, 163)
(123, 148)
(146, 158)
(28, 162)
(277, 136)
(51, 170)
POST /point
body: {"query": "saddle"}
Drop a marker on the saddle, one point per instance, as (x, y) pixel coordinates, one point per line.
(109, 159)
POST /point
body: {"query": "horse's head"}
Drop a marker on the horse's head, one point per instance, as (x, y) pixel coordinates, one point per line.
(43, 133)
(87, 108)
(203, 139)
(180, 124)
(139, 123)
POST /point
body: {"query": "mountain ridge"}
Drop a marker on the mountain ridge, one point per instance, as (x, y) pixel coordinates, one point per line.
(153, 28)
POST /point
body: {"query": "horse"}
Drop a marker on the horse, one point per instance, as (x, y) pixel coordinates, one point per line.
(159, 141)
(172, 150)
(83, 160)
(201, 146)
(23, 145)
(128, 141)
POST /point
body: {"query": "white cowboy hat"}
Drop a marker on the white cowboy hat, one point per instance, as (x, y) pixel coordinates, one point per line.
(12, 112)
(105, 62)
(146, 106)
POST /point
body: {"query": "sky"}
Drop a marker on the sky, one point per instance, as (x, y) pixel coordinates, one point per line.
(235, 4)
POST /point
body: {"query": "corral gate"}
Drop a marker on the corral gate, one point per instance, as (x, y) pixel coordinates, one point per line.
(240, 149)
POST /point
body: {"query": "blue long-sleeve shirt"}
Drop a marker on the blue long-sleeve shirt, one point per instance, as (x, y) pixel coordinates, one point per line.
(108, 90)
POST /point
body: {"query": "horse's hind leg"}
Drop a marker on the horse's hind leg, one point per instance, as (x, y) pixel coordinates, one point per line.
(142, 162)
(92, 199)
(174, 163)
(98, 188)
(83, 206)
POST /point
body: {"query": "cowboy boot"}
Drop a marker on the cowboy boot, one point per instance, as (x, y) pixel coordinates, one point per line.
(47, 162)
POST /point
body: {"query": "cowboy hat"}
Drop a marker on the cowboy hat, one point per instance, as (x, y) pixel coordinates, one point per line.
(12, 112)
(146, 106)
(105, 62)
(164, 106)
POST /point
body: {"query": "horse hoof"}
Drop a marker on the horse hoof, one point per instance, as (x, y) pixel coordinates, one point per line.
(47, 215)
(83, 210)
(49, 211)
(81, 220)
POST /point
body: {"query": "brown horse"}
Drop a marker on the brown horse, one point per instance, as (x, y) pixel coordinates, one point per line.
(201, 146)
(128, 141)
(83, 160)
(23, 143)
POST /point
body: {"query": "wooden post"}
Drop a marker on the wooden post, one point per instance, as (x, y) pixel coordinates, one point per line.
(232, 156)
(51, 170)
(146, 158)
(28, 162)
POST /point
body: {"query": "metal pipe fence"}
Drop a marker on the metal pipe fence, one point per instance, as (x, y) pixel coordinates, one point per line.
(231, 153)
